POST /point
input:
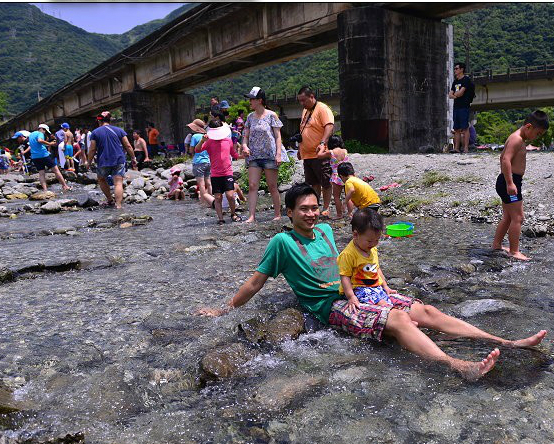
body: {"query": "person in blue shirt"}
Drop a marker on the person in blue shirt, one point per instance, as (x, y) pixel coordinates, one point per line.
(109, 144)
(40, 156)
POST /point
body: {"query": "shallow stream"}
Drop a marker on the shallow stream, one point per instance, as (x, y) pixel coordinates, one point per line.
(113, 350)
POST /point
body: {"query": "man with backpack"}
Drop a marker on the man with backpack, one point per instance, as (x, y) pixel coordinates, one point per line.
(462, 92)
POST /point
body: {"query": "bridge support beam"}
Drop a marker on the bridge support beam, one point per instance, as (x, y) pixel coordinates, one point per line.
(170, 112)
(393, 79)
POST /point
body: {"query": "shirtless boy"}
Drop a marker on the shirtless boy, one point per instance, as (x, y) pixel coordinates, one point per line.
(68, 147)
(508, 183)
(140, 149)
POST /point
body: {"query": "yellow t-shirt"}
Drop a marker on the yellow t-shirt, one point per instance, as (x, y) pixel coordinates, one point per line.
(312, 132)
(363, 271)
(363, 195)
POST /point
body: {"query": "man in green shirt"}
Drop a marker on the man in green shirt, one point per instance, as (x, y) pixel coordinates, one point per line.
(307, 258)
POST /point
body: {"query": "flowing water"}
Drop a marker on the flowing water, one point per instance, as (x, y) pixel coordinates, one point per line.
(112, 350)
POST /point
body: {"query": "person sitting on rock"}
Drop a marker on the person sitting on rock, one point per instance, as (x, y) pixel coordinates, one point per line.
(307, 257)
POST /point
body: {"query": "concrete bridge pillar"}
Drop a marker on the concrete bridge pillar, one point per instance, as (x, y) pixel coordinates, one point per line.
(393, 79)
(170, 113)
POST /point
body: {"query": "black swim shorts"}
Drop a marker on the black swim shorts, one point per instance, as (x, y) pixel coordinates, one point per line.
(503, 193)
(222, 184)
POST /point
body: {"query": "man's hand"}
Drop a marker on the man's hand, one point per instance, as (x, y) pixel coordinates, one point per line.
(211, 312)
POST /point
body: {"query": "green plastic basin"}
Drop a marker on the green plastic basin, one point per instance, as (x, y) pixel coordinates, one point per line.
(400, 229)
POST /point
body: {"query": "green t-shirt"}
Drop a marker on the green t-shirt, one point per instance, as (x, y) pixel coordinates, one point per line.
(313, 275)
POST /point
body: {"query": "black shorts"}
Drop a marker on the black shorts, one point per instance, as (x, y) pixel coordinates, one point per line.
(44, 163)
(503, 193)
(317, 172)
(222, 184)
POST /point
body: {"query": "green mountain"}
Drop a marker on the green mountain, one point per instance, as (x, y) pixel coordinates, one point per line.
(40, 53)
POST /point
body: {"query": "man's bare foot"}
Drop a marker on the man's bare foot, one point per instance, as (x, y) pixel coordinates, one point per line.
(475, 370)
(250, 220)
(500, 248)
(531, 341)
(519, 256)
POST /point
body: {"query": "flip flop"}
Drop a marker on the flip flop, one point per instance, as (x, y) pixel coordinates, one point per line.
(236, 218)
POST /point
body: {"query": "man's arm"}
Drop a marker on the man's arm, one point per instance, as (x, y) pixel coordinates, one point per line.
(460, 92)
(129, 149)
(244, 294)
(91, 151)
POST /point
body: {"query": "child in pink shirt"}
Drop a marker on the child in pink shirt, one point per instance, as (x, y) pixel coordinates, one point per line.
(217, 142)
(176, 185)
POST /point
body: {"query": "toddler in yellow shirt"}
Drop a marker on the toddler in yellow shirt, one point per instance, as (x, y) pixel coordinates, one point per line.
(362, 280)
(359, 192)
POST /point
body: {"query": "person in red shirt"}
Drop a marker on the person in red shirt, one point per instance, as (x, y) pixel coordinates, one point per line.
(217, 142)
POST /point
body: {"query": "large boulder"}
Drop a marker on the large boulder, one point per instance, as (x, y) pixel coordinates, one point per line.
(468, 309)
(42, 195)
(287, 324)
(51, 207)
(278, 393)
(138, 183)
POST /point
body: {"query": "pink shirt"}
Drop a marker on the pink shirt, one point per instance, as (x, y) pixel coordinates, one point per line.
(175, 183)
(220, 152)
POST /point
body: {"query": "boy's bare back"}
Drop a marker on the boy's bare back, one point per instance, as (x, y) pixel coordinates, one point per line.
(514, 149)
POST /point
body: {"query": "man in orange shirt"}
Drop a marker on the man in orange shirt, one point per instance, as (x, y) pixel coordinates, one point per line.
(153, 134)
(316, 126)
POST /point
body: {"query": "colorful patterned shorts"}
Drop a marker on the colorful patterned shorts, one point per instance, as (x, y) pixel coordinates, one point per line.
(372, 295)
(369, 320)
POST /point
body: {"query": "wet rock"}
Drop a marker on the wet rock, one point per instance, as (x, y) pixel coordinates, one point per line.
(536, 230)
(13, 178)
(7, 403)
(142, 194)
(42, 195)
(133, 174)
(51, 207)
(148, 188)
(104, 225)
(224, 361)
(277, 393)
(138, 183)
(63, 230)
(6, 275)
(90, 187)
(466, 268)
(88, 178)
(471, 308)
(350, 375)
(15, 196)
(126, 225)
(287, 324)
(68, 202)
(3, 209)
(87, 201)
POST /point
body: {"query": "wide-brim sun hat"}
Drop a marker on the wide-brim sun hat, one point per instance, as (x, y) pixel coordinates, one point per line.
(45, 127)
(220, 133)
(174, 169)
(21, 133)
(197, 126)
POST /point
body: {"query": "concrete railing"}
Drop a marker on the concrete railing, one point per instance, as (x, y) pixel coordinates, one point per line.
(513, 73)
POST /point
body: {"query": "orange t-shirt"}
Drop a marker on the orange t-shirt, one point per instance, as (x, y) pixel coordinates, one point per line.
(153, 136)
(312, 133)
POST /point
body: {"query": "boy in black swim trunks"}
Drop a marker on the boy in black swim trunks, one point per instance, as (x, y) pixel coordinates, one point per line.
(508, 183)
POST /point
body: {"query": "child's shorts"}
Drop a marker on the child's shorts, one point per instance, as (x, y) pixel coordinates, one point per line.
(371, 295)
(68, 151)
(369, 320)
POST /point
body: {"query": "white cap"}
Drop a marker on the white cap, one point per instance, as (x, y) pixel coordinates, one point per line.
(44, 126)
(254, 93)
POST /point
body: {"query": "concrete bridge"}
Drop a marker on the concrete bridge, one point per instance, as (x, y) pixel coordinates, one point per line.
(392, 84)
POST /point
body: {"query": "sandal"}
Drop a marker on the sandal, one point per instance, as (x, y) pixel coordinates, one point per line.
(220, 222)
(236, 218)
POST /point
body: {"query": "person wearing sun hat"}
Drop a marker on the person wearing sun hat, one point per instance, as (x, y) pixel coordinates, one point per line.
(40, 156)
(220, 148)
(176, 184)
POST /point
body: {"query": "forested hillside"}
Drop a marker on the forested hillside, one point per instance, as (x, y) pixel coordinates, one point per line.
(40, 53)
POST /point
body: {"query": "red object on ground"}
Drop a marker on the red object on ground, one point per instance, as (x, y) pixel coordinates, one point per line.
(391, 185)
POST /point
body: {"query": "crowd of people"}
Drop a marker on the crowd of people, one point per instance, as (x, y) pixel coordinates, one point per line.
(348, 290)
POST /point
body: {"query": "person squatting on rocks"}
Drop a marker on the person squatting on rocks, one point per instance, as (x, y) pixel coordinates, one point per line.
(175, 185)
(217, 142)
(316, 126)
(307, 257)
(509, 181)
(110, 142)
(358, 192)
(263, 151)
(40, 156)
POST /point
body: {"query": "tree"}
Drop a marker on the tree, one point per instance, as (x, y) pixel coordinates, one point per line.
(3, 105)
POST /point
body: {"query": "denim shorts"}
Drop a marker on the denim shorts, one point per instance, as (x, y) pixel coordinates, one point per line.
(201, 169)
(116, 170)
(264, 164)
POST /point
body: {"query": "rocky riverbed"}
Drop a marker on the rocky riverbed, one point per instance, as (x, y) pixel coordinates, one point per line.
(100, 343)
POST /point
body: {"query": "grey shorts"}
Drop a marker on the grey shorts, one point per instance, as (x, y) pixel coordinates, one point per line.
(201, 169)
(264, 164)
(116, 170)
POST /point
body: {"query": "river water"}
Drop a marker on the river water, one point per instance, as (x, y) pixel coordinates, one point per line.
(112, 350)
